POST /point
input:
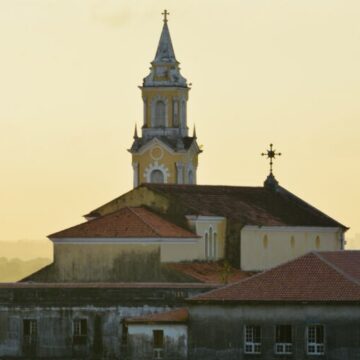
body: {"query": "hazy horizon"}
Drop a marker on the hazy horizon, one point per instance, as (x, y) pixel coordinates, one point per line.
(262, 72)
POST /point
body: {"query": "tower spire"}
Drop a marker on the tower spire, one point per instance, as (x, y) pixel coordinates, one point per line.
(194, 132)
(135, 132)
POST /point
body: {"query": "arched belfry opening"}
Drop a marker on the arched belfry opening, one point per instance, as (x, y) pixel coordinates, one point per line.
(160, 112)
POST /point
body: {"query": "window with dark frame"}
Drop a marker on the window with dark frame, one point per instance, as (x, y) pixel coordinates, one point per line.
(315, 340)
(158, 344)
(252, 339)
(283, 339)
(80, 331)
(29, 331)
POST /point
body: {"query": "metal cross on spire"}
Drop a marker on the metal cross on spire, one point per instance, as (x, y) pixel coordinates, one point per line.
(271, 154)
(165, 13)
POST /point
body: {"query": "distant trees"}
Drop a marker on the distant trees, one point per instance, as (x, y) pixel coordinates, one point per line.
(15, 269)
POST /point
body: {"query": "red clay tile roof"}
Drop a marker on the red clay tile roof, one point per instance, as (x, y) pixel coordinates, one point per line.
(136, 222)
(209, 272)
(173, 316)
(316, 276)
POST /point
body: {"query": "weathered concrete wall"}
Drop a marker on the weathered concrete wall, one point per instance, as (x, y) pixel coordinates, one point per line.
(104, 308)
(141, 341)
(109, 263)
(55, 330)
(217, 332)
(265, 247)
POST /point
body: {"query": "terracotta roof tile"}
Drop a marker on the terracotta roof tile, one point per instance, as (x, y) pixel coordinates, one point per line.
(136, 222)
(173, 316)
(209, 272)
(325, 277)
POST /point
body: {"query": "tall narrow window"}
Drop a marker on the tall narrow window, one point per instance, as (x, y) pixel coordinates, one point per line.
(191, 177)
(210, 255)
(315, 340)
(160, 109)
(252, 339)
(29, 332)
(317, 242)
(206, 246)
(215, 246)
(283, 339)
(157, 177)
(292, 242)
(175, 113)
(80, 331)
(158, 343)
(265, 241)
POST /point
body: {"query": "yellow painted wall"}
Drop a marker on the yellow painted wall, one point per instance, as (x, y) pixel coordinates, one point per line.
(136, 197)
(201, 227)
(149, 94)
(264, 248)
(168, 159)
(179, 252)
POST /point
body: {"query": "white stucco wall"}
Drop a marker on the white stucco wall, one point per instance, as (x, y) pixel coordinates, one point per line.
(265, 247)
(175, 339)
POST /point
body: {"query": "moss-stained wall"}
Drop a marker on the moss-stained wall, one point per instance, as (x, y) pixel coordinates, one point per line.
(140, 196)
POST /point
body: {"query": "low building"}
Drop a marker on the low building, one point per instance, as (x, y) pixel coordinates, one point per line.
(306, 308)
(158, 336)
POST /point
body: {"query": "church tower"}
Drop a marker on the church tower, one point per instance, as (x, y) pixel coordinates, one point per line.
(165, 153)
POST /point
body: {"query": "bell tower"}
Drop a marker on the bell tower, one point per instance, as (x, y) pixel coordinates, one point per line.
(165, 153)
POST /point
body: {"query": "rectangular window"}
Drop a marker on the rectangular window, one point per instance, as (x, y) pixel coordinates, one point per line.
(315, 340)
(283, 339)
(80, 331)
(158, 342)
(29, 331)
(252, 339)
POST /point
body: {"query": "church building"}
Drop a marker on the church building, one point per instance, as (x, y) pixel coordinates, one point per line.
(124, 274)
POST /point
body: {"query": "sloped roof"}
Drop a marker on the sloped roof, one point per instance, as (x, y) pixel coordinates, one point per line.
(314, 277)
(165, 51)
(136, 222)
(248, 205)
(209, 272)
(173, 316)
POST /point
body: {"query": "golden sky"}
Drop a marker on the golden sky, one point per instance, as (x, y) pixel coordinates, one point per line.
(262, 71)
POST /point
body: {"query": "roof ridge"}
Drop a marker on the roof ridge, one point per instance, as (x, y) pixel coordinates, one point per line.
(336, 268)
(144, 221)
(305, 203)
(253, 276)
(88, 221)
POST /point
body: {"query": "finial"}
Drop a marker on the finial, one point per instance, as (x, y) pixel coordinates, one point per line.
(165, 13)
(271, 154)
(194, 132)
(135, 132)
